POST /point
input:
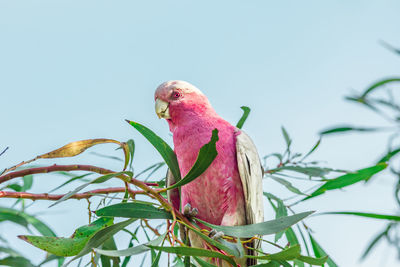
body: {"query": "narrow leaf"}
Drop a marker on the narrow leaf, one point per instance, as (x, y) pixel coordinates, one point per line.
(134, 210)
(368, 215)
(379, 84)
(290, 253)
(314, 261)
(375, 241)
(348, 179)
(206, 156)
(287, 184)
(98, 180)
(320, 253)
(264, 228)
(16, 261)
(162, 147)
(389, 155)
(191, 251)
(286, 137)
(345, 128)
(75, 148)
(132, 250)
(246, 112)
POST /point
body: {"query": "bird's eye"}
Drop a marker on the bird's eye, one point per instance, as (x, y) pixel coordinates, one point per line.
(176, 95)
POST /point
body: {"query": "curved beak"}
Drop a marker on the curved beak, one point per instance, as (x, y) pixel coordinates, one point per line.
(162, 109)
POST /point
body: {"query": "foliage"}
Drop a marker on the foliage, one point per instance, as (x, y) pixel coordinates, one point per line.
(382, 101)
(97, 238)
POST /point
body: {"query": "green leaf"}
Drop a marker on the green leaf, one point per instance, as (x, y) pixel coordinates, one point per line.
(10, 251)
(389, 155)
(37, 224)
(67, 246)
(378, 85)
(286, 137)
(314, 261)
(231, 248)
(28, 181)
(246, 112)
(101, 236)
(16, 261)
(310, 171)
(132, 250)
(203, 263)
(290, 253)
(98, 180)
(71, 180)
(162, 147)
(345, 128)
(15, 218)
(191, 251)
(268, 264)
(348, 179)
(375, 241)
(131, 145)
(264, 228)
(312, 150)
(320, 253)
(364, 214)
(206, 156)
(287, 184)
(134, 210)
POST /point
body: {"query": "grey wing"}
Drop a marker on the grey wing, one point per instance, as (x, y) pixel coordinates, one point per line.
(251, 175)
(172, 195)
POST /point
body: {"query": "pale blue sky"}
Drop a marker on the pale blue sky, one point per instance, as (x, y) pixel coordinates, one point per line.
(72, 70)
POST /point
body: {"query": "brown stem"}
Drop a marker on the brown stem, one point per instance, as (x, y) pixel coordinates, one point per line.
(85, 195)
(142, 185)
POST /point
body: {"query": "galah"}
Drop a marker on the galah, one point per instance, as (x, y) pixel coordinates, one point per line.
(229, 192)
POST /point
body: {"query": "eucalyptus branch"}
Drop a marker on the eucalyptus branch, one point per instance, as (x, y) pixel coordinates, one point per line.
(85, 195)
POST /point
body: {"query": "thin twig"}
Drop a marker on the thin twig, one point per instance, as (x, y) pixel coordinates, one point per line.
(4, 151)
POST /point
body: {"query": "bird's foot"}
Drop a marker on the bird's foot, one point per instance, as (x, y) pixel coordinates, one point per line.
(189, 212)
(214, 234)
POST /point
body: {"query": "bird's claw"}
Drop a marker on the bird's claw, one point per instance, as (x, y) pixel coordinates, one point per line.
(214, 234)
(189, 212)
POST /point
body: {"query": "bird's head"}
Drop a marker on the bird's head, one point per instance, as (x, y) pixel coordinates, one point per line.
(179, 101)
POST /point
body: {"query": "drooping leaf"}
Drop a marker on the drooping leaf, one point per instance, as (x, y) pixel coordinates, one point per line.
(98, 180)
(206, 156)
(68, 246)
(348, 179)
(75, 148)
(162, 147)
(16, 261)
(312, 150)
(319, 252)
(346, 128)
(314, 261)
(365, 214)
(36, 223)
(246, 112)
(132, 250)
(287, 184)
(378, 85)
(290, 253)
(264, 228)
(134, 210)
(389, 155)
(231, 248)
(74, 178)
(203, 263)
(11, 252)
(191, 251)
(310, 171)
(375, 241)
(101, 236)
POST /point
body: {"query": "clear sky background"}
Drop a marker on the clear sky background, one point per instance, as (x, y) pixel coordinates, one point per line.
(72, 70)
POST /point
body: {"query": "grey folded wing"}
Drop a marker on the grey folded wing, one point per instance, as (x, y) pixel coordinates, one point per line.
(251, 174)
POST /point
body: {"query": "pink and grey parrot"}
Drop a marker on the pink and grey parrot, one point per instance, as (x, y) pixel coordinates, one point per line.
(230, 191)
